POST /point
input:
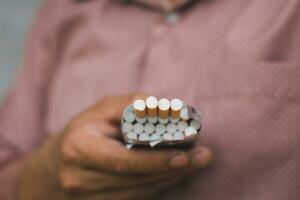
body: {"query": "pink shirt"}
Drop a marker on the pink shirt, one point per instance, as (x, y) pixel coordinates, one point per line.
(236, 60)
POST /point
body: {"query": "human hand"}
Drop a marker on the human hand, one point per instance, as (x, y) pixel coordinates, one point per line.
(88, 161)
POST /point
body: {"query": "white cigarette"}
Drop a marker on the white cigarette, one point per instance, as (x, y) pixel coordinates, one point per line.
(190, 131)
(132, 136)
(144, 137)
(160, 129)
(164, 108)
(184, 114)
(152, 120)
(174, 120)
(195, 124)
(138, 128)
(182, 125)
(168, 136)
(151, 103)
(178, 136)
(163, 121)
(149, 128)
(176, 106)
(155, 137)
(139, 106)
(127, 127)
(129, 117)
(141, 120)
(171, 128)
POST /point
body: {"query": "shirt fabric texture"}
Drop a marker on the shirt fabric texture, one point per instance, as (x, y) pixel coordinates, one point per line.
(236, 61)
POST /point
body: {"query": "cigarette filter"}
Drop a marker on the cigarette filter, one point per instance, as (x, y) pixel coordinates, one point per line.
(149, 128)
(132, 136)
(164, 108)
(176, 106)
(151, 104)
(139, 106)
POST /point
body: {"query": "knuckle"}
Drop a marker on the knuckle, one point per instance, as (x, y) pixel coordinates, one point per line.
(119, 165)
(138, 96)
(106, 100)
(69, 181)
(68, 153)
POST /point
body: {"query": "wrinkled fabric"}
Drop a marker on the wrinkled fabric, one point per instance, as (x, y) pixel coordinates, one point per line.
(236, 61)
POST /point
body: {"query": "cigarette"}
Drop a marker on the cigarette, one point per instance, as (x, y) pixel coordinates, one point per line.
(190, 131)
(160, 129)
(171, 128)
(132, 136)
(182, 125)
(144, 137)
(139, 106)
(149, 128)
(155, 137)
(168, 136)
(152, 120)
(195, 124)
(174, 120)
(141, 120)
(184, 114)
(176, 106)
(127, 127)
(138, 128)
(178, 136)
(163, 121)
(129, 117)
(163, 108)
(151, 104)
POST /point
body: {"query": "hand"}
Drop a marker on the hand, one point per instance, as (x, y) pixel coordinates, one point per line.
(88, 161)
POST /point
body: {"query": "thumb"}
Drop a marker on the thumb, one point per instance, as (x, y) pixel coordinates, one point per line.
(111, 108)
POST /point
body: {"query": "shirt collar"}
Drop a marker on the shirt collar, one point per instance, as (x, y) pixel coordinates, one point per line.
(165, 5)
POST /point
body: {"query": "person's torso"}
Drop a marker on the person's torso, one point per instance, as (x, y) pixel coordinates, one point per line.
(209, 57)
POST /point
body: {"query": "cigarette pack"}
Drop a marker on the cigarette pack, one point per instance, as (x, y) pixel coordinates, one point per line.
(160, 123)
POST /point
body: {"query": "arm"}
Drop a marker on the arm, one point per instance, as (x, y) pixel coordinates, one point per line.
(21, 114)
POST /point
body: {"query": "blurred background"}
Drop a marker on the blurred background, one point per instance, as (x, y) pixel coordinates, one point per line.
(15, 22)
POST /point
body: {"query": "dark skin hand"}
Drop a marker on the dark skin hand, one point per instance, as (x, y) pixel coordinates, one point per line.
(88, 161)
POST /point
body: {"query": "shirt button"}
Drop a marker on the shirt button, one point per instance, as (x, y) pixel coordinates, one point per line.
(172, 18)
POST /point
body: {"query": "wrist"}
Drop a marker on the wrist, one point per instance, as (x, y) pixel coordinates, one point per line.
(39, 177)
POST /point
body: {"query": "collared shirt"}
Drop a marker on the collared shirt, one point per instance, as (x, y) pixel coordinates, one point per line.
(236, 61)
(166, 5)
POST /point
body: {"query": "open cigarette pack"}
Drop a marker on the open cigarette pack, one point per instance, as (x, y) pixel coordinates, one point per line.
(160, 123)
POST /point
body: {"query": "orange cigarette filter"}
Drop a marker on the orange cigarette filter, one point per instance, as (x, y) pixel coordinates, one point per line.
(176, 106)
(151, 104)
(139, 106)
(164, 108)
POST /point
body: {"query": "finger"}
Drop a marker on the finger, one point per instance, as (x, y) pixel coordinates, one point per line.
(146, 191)
(111, 156)
(76, 178)
(108, 109)
(111, 108)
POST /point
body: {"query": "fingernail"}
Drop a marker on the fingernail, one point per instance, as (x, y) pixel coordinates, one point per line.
(179, 161)
(200, 159)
